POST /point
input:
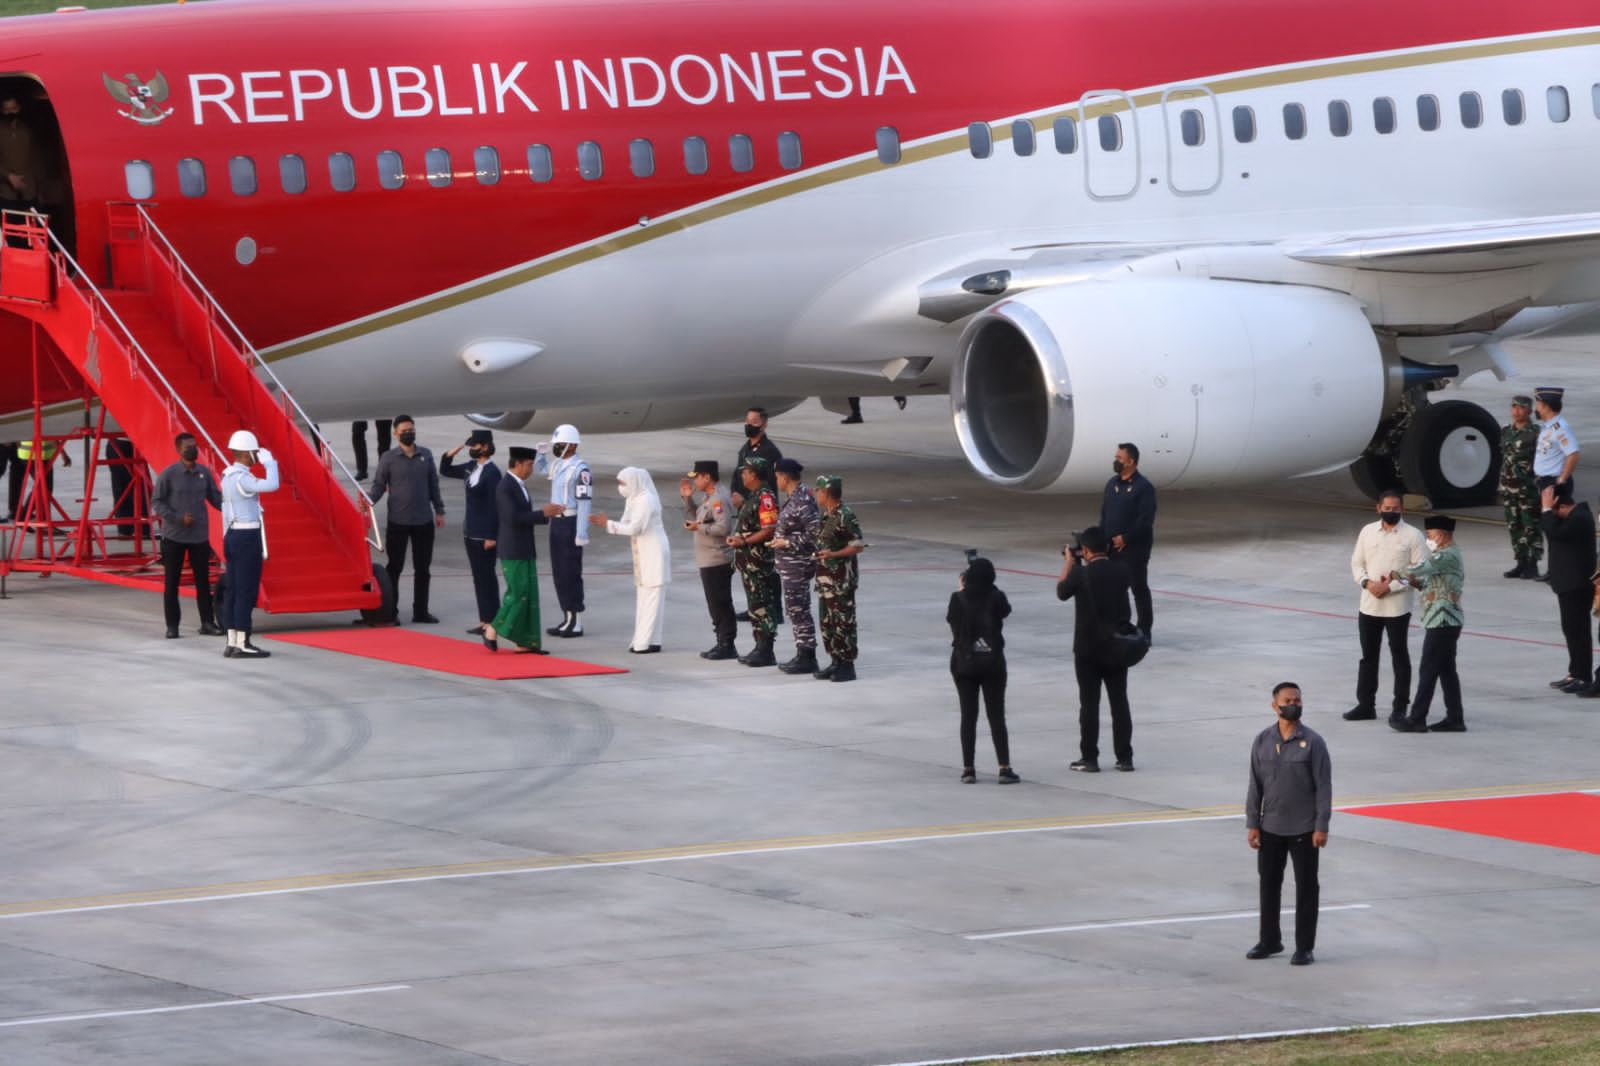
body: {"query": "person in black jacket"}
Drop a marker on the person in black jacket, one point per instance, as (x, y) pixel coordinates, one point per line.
(978, 664)
(518, 617)
(1569, 528)
(1128, 519)
(482, 526)
(1101, 586)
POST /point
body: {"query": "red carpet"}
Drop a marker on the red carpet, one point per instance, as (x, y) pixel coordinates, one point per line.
(1566, 820)
(467, 658)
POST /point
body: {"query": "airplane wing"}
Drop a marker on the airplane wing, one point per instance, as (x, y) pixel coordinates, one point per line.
(1462, 249)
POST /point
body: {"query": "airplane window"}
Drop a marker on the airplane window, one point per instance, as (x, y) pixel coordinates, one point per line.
(742, 153)
(1428, 112)
(141, 179)
(1294, 121)
(591, 164)
(789, 151)
(486, 164)
(391, 170)
(540, 166)
(1193, 126)
(888, 145)
(242, 175)
(1023, 140)
(1339, 118)
(1559, 103)
(641, 157)
(437, 163)
(1244, 124)
(1471, 110)
(292, 174)
(696, 156)
(342, 171)
(1383, 115)
(1110, 133)
(980, 140)
(1066, 131)
(191, 177)
(1512, 107)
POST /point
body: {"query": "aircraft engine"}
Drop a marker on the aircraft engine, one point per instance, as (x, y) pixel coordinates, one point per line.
(1217, 382)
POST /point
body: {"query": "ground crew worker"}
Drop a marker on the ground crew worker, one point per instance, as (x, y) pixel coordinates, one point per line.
(1438, 580)
(1519, 492)
(752, 557)
(518, 617)
(710, 519)
(482, 524)
(571, 487)
(244, 540)
(794, 544)
(1555, 457)
(416, 509)
(1569, 527)
(1128, 519)
(38, 507)
(838, 543)
(182, 493)
(757, 443)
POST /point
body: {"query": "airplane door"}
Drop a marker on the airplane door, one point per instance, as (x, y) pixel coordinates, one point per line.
(1110, 130)
(1192, 122)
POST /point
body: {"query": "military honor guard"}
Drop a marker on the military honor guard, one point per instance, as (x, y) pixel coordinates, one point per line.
(244, 540)
(758, 445)
(708, 514)
(1519, 491)
(481, 530)
(752, 557)
(1555, 456)
(1438, 580)
(839, 541)
(183, 492)
(572, 490)
(518, 618)
(794, 545)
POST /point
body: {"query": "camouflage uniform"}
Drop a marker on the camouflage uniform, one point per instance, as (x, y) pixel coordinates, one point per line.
(754, 561)
(836, 584)
(797, 524)
(1519, 494)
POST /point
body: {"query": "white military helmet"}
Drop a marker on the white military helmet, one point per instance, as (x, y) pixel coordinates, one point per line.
(244, 441)
(565, 434)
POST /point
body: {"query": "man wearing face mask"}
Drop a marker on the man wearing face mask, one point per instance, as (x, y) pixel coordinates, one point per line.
(1383, 548)
(1439, 580)
(757, 445)
(18, 169)
(571, 489)
(1287, 809)
(416, 508)
(183, 492)
(482, 523)
(1569, 527)
(1128, 519)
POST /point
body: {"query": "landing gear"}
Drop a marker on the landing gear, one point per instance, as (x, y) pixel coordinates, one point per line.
(1448, 452)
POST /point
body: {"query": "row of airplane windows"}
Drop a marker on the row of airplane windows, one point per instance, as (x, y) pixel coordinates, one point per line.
(294, 176)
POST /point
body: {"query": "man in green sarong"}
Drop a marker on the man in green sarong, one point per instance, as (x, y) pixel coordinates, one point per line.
(518, 620)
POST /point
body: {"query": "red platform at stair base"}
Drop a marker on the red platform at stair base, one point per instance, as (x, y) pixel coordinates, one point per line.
(1568, 820)
(444, 654)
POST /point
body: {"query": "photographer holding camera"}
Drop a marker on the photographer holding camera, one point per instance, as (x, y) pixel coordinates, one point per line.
(1101, 587)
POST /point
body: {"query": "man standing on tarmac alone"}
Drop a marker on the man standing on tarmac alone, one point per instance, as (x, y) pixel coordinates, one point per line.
(1383, 548)
(1519, 492)
(416, 509)
(1128, 519)
(182, 493)
(572, 489)
(1287, 809)
(244, 540)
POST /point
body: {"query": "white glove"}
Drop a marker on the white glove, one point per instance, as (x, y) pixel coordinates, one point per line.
(265, 456)
(543, 447)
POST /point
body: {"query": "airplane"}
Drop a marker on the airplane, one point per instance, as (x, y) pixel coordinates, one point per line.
(1256, 237)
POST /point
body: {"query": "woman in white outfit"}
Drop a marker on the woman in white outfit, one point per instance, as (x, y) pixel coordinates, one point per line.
(652, 555)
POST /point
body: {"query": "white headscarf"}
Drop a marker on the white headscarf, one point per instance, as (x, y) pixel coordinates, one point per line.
(639, 491)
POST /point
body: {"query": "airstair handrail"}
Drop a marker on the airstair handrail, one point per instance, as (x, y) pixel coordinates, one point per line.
(214, 306)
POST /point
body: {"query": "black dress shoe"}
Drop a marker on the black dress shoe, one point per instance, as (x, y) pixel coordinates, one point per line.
(1125, 765)
(1264, 951)
(172, 632)
(1360, 714)
(1407, 725)
(1302, 958)
(853, 420)
(1008, 776)
(1562, 682)
(1448, 726)
(1573, 687)
(209, 629)
(651, 650)
(1084, 766)
(1589, 692)
(250, 651)
(475, 631)
(488, 641)
(720, 652)
(424, 618)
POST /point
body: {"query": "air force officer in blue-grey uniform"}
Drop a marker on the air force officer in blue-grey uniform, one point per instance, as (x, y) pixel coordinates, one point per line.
(571, 489)
(481, 526)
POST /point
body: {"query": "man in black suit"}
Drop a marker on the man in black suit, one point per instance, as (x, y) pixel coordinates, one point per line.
(518, 617)
(482, 526)
(1101, 586)
(1569, 528)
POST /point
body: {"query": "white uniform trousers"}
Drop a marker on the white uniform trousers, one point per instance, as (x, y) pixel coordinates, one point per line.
(649, 616)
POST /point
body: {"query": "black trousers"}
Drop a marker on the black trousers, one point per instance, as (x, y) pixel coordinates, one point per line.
(173, 555)
(485, 582)
(21, 470)
(1275, 853)
(358, 441)
(242, 550)
(1575, 627)
(1092, 674)
(1439, 667)
(1374, 631)
(990, 683)
(1138, 564)
(119, 449)
(717, 581)
(420, 538)
(566, 562)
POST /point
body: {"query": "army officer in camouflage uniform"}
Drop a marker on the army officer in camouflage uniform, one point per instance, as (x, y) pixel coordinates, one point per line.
(752, 556)
(1518, 491)
(838, 544)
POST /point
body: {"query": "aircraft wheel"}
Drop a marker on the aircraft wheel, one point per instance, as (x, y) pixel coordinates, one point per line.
(1374, 473)
(384, 613)
(1451, 454)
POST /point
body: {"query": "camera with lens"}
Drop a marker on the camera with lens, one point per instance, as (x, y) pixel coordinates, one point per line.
(1074, 545)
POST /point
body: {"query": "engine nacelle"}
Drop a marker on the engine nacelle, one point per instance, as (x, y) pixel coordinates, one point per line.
(1217, 382)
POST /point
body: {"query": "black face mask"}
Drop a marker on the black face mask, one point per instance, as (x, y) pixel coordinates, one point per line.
(1116, 466)
(476, 453)
(1290, 712)
(752, 432)
(189, 454)
(408, 438)
(1390, 518)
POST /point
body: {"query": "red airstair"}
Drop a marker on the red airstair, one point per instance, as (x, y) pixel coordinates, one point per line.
(161, 357)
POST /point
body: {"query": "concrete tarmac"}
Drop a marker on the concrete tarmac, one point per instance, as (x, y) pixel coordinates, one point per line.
(701, 863)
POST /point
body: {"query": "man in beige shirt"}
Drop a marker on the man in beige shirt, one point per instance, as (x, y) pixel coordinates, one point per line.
(1385, 547)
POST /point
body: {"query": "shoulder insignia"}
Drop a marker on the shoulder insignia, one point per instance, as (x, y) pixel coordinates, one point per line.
(584, 476)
